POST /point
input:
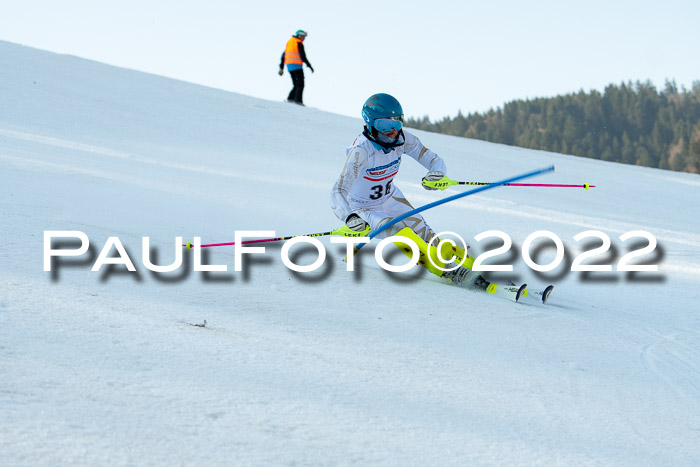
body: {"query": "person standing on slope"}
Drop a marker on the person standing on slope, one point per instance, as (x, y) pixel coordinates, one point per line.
(294, 57)
(364, 196)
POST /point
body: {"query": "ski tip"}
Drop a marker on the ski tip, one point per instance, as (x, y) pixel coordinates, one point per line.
(546, 292)
(522, 292)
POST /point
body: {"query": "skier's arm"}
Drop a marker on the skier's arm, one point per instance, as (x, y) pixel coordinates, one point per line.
(427, 158)
(302, 54)
(282, 62)
(339, 193)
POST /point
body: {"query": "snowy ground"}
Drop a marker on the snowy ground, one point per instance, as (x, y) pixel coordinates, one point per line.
(330, 367)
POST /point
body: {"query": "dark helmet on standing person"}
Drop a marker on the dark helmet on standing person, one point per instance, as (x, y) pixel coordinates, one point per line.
(300, 33)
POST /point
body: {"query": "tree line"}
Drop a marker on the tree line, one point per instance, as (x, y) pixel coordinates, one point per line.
(632, 123)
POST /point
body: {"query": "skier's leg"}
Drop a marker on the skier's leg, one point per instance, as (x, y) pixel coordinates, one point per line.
(416, 229)
(299, 96)
(428, 257)
(296, 94)
(290, 97)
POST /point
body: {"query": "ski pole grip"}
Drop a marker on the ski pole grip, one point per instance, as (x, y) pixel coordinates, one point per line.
(441, 184)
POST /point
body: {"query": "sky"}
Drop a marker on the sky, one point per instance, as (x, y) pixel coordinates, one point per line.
(438, 58)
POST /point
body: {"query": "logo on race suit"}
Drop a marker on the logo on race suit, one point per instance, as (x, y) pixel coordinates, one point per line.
(386, 170)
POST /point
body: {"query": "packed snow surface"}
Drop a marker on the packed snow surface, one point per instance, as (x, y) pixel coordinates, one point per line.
(331, 366)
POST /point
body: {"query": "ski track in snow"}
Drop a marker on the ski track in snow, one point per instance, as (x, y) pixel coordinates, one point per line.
(675, 358)
(132, 158)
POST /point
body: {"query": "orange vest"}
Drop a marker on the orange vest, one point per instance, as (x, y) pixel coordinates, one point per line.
(291, 52)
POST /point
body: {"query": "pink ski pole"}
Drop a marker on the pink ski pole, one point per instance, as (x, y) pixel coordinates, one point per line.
(343, 230)
(445, 182)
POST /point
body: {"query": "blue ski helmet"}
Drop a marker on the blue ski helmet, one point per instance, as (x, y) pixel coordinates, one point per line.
(381, 106)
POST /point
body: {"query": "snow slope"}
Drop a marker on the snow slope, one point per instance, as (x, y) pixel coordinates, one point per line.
(329, 367)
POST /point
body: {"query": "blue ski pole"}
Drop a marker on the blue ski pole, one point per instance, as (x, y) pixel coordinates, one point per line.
(374, 233)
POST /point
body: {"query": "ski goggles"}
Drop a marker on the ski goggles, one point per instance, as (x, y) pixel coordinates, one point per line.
(387, 125)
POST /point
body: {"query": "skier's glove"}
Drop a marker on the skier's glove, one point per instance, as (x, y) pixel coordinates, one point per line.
(311, 68)
(432, 177)
(356, 223)
(281, 72)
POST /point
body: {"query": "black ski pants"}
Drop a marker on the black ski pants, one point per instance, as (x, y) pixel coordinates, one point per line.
(297, 91)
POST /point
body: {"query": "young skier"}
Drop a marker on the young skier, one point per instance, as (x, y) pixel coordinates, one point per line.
(364, 196)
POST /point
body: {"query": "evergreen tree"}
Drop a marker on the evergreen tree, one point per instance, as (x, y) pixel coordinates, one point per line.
(631, 123)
